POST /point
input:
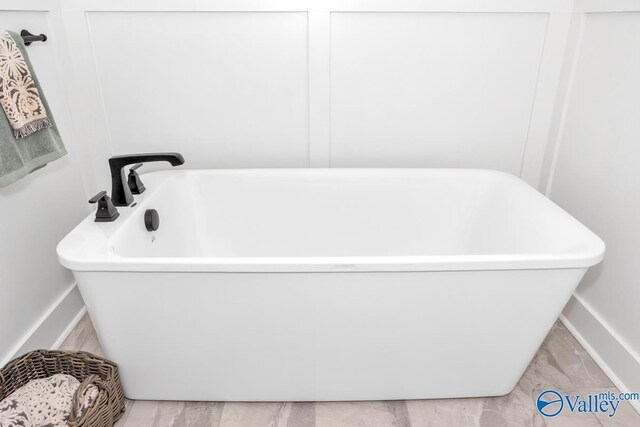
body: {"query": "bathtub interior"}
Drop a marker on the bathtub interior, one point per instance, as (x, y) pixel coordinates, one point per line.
(346, 213)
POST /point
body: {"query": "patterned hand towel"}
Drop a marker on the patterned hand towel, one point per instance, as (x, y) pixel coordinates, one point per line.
(19, 96)
(28, 110)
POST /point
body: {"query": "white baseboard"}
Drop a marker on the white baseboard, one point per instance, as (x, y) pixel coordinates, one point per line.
(74, 322)
(612, 353)
(51, 329)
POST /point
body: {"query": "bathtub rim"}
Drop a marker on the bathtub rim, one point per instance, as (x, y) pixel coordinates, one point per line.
(102, 258)
(331, 264)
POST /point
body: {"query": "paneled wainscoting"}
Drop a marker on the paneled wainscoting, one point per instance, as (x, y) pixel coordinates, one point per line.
(561, 364)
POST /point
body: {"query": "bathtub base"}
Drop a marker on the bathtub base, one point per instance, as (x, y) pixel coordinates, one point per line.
(323, 336)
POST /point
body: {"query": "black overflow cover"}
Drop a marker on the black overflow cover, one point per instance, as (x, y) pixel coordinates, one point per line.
(151, 219)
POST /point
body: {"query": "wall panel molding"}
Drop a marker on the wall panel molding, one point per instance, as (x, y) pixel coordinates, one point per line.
(320, 88)
(542, 108)
(434, 89)
(102, 118)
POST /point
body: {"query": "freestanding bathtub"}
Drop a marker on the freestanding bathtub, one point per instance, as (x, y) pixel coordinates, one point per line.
(308, 285)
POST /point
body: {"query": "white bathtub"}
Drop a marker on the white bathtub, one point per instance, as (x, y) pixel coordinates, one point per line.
(295, 285)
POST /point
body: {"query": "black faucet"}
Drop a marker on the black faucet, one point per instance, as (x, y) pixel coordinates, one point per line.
(120, 191)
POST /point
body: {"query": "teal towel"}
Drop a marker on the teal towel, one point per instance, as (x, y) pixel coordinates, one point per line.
(20, 157)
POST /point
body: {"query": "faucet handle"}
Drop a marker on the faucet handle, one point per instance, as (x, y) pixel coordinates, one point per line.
(106, 211)
(135, 183)
(97, 197)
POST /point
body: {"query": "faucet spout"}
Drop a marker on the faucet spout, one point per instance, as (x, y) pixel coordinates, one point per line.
(120, 191)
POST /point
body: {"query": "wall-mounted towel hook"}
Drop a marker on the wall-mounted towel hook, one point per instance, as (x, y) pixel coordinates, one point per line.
(30, 38)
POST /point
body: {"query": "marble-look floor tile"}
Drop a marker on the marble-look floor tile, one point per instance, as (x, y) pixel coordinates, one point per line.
(255, 414)
(303, 414)
(573, 360)
(445, 412)
(79, 335)
(544, 369)
(128, 404)
(199, 414)
(369, 414)
(572, 420)
(174, 414)
(513, 409)
(154, 413)
(83, 337)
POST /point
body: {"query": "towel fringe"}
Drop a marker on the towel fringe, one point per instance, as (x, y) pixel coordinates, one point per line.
(32, 127)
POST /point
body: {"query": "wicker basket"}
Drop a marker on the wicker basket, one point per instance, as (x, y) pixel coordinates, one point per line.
(86, 367)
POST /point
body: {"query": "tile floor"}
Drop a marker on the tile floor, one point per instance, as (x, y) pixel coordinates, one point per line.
(561, 363)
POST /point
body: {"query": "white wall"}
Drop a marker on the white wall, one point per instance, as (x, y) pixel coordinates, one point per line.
(37, 296)
(285, 83)
(596, 177)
